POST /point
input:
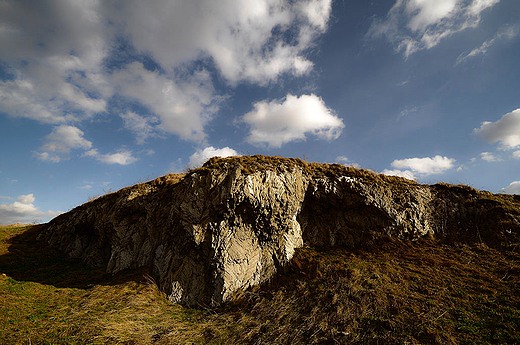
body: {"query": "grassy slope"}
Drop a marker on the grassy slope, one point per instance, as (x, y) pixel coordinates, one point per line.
(396, 292)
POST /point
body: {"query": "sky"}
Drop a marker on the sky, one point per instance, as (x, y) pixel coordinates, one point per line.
(99, 95)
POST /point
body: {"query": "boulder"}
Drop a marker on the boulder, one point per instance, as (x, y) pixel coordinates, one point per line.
(237, 221)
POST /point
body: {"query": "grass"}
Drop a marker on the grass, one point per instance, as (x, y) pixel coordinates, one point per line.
(395, 292)
(252, 164)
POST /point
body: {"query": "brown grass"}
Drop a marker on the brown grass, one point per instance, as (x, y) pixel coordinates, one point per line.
(396, 292)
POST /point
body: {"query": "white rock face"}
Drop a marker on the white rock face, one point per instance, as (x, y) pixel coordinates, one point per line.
(213, 232)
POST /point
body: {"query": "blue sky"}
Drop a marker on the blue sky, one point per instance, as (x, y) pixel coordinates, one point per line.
(99, 95)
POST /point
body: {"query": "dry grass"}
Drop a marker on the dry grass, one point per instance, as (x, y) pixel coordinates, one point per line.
(418, 293)
(426, 292)
(396, 292)
(251, 164)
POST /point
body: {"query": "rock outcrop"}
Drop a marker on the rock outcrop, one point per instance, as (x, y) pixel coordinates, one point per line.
(237, 221)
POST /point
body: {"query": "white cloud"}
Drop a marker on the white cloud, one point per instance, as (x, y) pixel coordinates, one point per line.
(401, 173)
(46, 46)
(140, 125)
(63, 138)
(506, 130)
(45, 156)
(516, 154)
(60, 142)
(122, 157)
(489, 157)
(513, 188)
(183, 107)
(421, 24)
(281, 121)
(86, 187)
(425, 166)
(201, 156)
(346, 162)
(254, 40)
(58, 53)
(23, 211)
(26, 199)
(406, 111)
(505, 33)
(91, 153)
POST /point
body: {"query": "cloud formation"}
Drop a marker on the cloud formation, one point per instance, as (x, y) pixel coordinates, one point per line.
(182, 107)
(66, 67)
(414, 25)
(201, 156)
(281, 121)
(505, 33)
(424, 166)
(248, 40)
(60, 142)
(506, 130)
(489, 157)
(347, 162)
(513, 188)
(23, 211)
(401, 173)
(45, 46)
(122, 157)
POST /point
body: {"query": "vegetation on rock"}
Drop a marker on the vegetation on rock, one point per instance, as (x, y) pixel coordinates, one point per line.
(269, 250)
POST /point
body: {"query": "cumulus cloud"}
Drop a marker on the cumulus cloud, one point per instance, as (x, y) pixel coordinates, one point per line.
(122, 157)
(66, 66)
(142, 126)
(281, 121)
(513, 188)
(23, 211)
(506, 130)
(253, 40)
(347, 162)
(26, 199)
(45, 46)
(425, 166)
(489, 157)
(505, 33)
(182, 107)
(201, 156)
(413, 25)
(401, 173)
(60, 142)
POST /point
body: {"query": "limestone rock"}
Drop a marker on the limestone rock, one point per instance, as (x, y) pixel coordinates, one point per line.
(237, 221)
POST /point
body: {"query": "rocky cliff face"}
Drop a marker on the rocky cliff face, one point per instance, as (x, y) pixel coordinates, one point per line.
(237, 221)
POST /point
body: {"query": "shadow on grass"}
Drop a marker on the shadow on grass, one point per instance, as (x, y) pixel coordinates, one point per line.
(28, 259)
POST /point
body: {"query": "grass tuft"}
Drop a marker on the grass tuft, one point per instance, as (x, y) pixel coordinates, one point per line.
(396, 292)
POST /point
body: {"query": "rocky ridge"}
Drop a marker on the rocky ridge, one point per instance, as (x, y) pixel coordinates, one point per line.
(236, 222)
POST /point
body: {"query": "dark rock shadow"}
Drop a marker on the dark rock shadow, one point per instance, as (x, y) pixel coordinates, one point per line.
(28, 259)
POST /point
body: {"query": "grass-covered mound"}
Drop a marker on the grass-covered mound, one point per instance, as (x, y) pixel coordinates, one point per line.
(393, 292)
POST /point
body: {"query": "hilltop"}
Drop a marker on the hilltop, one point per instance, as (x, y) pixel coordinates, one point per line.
(279, 250)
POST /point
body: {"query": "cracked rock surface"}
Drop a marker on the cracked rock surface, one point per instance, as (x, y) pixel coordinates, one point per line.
(233, 224)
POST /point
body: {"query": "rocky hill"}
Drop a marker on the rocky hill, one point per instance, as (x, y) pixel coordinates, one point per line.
(236, 222)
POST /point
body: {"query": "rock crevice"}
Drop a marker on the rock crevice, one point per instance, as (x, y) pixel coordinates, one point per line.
(227, 227)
